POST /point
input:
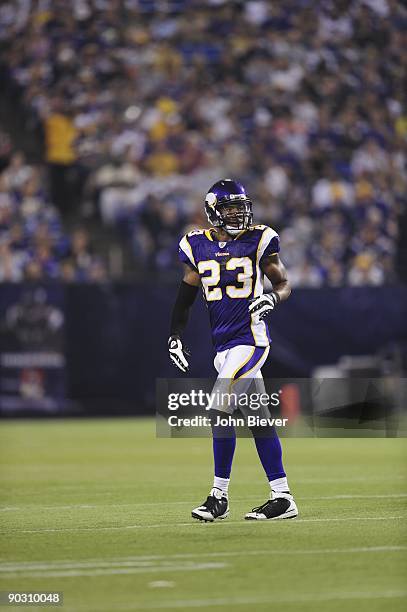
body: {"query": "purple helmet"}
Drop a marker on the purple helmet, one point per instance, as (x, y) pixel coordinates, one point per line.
(228, 206)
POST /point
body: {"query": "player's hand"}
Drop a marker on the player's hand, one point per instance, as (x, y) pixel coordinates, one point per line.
(178, 353)
(261, 306)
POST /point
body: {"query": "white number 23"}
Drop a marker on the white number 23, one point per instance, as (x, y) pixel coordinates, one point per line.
(211, 280)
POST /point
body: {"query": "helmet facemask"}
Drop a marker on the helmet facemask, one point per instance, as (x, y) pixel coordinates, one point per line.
(236, 216)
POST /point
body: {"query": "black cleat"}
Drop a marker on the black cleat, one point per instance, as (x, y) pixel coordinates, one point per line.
(279, 506)
(215, 507)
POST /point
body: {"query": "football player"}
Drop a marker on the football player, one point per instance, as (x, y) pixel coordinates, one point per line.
(229, 261)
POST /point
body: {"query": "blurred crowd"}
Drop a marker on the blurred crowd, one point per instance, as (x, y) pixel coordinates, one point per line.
(148, 102)
(34, 245)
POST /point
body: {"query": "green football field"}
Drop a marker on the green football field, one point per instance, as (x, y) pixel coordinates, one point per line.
(101, 511)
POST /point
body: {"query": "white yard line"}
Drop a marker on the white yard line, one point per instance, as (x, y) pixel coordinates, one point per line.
(151, 560)
(194, 524)
(109, 571)
(30, 507)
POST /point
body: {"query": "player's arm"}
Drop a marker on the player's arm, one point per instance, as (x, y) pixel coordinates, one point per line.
(187, 293)
(274, 269)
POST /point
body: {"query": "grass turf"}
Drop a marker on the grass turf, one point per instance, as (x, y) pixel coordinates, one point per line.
(101, 511)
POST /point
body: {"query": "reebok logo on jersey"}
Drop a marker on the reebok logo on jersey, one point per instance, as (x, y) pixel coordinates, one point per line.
(222, 254)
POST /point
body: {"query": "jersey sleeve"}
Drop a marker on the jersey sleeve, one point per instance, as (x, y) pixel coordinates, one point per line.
(185, 252)
(269, 244)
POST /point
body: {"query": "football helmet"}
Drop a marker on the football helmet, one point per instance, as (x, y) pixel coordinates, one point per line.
(228, 206)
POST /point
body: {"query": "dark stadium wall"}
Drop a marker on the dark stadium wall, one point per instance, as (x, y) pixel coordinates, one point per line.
(115, 337)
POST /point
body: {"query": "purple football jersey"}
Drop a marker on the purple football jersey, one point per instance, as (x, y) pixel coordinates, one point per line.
(231, 275)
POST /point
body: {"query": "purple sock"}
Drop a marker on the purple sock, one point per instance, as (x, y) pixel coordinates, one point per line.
(270, 454)
(223, 451)
(224, 444)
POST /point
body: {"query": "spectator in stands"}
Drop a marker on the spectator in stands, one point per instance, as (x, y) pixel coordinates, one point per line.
(60, 153)
(11, 262)
(113, 186)
(365, 270)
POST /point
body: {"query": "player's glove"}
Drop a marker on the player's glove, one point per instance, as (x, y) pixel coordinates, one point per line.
(261, 306)
(178, 353)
